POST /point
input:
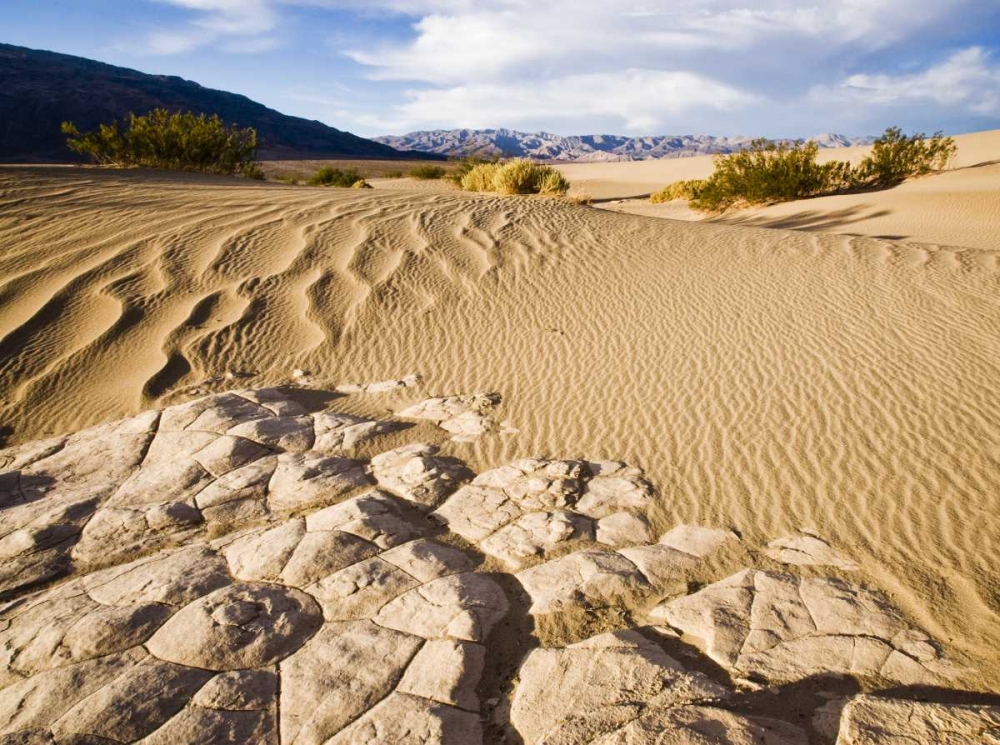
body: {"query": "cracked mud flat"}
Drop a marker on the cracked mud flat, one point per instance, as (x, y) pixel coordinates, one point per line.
(247, 567)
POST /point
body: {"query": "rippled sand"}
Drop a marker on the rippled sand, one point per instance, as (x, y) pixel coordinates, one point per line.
(766, 380)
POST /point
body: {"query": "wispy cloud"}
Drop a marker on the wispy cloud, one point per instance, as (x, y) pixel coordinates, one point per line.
(642, 66)
(238, 26)
(969, 79)
(638, 100)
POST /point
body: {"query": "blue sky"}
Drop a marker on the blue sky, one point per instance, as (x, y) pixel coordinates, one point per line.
(756, 67)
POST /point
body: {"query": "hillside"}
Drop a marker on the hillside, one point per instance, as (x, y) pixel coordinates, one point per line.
(583, 148)
(39, 90)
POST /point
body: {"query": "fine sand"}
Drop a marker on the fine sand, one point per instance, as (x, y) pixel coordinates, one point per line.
(765, 380)
(959, 207)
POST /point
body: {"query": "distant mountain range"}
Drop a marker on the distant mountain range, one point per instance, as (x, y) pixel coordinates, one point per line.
(39, 90)
(546, 146)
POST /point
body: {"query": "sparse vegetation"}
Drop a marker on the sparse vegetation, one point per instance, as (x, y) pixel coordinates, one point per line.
(678, 190)
(392, 174)
(344, 178)
(518, 176)
(427, 173)
(172, 140)
(286, 178)
(896, 157)
(767, 171)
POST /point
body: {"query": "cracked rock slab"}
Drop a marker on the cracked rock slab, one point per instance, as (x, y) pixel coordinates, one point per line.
(786, 628)
(808, 549)
(166, 477)
(466, 417)
(872, 720)
(417, 474)
(621, 688)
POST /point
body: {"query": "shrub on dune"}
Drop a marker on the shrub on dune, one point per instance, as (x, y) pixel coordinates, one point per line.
(766, 172)
(344, 178)
(480, 177)
(896, 157)
(518, 176)
(172, 140)
(678, 190)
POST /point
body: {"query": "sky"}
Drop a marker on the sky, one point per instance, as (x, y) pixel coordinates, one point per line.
(775, 68)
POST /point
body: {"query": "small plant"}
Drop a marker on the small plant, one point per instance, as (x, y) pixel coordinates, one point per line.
(763, 172)
(427, 173)
(896, 157)
(678, 190)
(393, 174)
(518, 176)
(464, 165)
(286, 178)
(480, 177)
(344, 178)
(767, 171)
(175, 140)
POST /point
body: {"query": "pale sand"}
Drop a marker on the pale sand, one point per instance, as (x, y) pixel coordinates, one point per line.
(959, 207)
(765, 380)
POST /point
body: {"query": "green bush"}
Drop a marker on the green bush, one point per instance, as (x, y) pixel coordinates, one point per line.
(480, 177)
(767, 171)
(896, 157)
(764, 172)
(179, 140)
(678, 190)
(344, 178)
(427, 173)
(462, 166)
(518, 176)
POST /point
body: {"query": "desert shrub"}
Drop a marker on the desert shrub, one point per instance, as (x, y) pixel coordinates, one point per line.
(764, 172)
(767, 171)
(678, 190)
(286, 178)
(427, 173)
(393, 174)
(896, 157)
(463, 165)
(175, 140)
(344, 178)
(518, 176)
(480, 177)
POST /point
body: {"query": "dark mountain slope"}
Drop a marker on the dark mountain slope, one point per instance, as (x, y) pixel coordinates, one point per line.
(39, 90)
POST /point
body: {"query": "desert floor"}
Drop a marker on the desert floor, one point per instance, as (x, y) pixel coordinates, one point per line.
(766, 380)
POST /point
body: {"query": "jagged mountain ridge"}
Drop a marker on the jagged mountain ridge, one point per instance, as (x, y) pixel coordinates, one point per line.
(548, 146)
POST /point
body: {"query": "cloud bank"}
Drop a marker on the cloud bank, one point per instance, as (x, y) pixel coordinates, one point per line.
(632, 67)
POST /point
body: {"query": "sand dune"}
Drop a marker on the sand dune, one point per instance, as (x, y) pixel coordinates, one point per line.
(764, 380)
(960, 207)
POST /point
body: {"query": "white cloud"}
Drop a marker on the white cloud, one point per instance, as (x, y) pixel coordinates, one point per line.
(458, 41)
(239, 26)
(969, 79)
(639, 65)
(640, 101)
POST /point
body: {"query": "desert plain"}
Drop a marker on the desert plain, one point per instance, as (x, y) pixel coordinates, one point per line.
(756, 461)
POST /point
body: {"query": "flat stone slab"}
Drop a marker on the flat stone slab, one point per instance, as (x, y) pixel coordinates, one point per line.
(808, 549)
(465, 416)
(167, 477)
(417, 474)
(784, 628)
(621, 687)
(867, 720)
